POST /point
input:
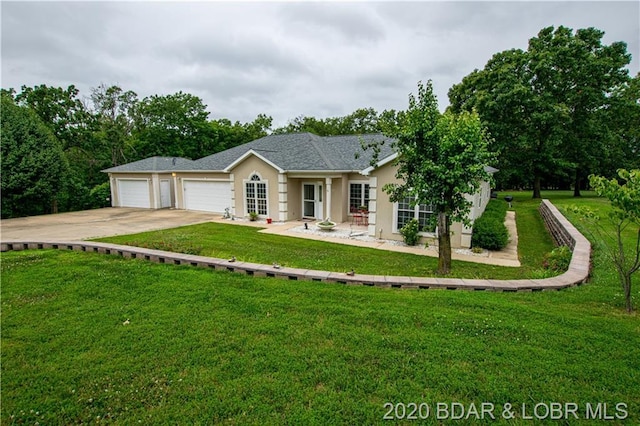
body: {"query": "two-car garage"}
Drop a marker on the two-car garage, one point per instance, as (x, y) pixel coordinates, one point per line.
(161, 182)
(197, 194)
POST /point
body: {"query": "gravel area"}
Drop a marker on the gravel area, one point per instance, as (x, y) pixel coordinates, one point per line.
(360, 235)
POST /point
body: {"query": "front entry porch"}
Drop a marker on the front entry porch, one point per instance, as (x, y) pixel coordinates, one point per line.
(312, 200)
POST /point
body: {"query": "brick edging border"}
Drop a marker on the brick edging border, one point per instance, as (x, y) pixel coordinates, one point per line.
(577, 273)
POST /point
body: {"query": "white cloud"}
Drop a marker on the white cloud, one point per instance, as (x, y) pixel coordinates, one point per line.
(281, 59)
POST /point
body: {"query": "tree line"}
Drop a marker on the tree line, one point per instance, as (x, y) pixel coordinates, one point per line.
(55, 142)
(557, 112)
(561, 110)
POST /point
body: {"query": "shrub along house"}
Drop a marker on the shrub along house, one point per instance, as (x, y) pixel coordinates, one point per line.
(284, 177)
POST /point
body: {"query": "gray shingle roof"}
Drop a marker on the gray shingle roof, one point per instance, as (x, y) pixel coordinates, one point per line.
(152, 164)
(302, 152)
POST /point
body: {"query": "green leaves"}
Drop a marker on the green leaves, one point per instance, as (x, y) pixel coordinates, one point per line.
(625, 198)
(548, 107)
(625, 201)
(33, 164)
(441, 158)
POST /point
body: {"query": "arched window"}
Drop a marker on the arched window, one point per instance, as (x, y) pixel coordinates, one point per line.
(256, 195)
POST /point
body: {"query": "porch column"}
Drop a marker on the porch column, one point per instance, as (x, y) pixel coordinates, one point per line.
(328, 197)
(283, 201)
(232, 189)
(373, 207)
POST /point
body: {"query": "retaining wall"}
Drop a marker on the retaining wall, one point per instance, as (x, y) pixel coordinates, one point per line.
(557, 225)
(578, 270)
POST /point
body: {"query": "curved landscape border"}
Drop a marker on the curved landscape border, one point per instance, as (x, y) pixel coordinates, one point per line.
(560, 228)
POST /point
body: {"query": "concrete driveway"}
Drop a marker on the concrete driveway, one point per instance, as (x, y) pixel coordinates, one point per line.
(97, 223)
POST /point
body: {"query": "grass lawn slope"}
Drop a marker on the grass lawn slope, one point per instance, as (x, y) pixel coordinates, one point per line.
(94, 338)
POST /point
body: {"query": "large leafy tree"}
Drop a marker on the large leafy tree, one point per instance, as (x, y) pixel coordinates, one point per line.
(62, 111)
(542, 106)
(580, 74)
(622, 141)
(34, 167)
(441, 157)
(173, 125)
(524, 128)
(75, 128)
(114, 108)
(227, 134)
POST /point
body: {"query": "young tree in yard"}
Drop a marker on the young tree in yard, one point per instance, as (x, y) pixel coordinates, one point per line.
(625, 201)
(441, 157)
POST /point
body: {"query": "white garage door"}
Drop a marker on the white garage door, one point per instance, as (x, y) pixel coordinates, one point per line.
(207, 196)
(133, 193)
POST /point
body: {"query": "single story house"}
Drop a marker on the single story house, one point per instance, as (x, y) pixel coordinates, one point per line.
(284, 177)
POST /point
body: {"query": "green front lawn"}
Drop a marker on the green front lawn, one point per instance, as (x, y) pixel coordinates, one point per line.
(94, 338)
(249, 245)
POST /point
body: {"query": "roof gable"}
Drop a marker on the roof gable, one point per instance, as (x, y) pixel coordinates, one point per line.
(249, 154)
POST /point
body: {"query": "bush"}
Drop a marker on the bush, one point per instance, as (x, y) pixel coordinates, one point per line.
(489, 230)
(101, 195)
(410, 232)
(558, 259)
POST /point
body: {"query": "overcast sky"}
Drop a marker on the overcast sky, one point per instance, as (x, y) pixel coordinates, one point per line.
(283, 59)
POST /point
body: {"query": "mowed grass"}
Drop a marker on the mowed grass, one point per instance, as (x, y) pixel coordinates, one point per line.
(94, 338)
(247, 244)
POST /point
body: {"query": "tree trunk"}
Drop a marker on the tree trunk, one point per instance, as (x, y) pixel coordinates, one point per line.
(444, 244)
(536, 187)
(576, 183)
(627, 292)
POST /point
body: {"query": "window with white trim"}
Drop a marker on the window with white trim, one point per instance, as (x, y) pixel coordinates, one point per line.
(358, 195)
(424, 213)
(256, 195)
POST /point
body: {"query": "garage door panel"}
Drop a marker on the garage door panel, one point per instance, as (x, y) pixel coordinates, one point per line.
(207, 196)
(133, 193)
